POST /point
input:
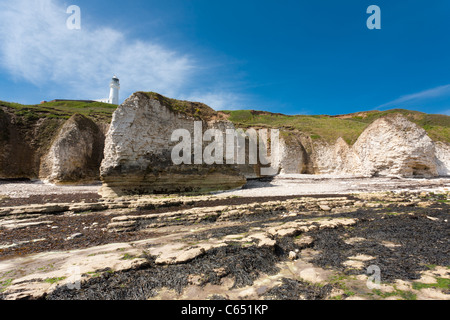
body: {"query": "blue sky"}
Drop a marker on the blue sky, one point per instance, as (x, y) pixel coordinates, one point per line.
(292, 57)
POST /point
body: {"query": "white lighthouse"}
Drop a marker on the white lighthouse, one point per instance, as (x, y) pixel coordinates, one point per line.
(114, 91)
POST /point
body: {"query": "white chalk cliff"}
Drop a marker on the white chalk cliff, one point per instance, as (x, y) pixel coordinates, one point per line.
(138, 149)
(75, 154)
(390, 146)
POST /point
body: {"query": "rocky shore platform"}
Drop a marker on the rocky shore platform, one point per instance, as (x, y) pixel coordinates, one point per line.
(287, 238)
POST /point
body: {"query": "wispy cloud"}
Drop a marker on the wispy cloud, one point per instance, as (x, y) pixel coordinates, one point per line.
(419, 97)
(37, 47)
(219, 100)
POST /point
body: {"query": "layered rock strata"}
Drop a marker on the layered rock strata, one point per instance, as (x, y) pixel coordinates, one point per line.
(138, 152)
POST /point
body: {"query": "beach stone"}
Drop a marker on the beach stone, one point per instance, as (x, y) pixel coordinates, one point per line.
(292, 256)
(74, 236)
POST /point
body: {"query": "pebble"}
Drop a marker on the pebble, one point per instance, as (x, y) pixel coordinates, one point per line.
(292, 256)
(74, 236)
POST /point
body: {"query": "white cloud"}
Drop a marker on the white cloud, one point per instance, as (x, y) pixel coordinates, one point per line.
(36, 46)
(218, 100)
(419, 97)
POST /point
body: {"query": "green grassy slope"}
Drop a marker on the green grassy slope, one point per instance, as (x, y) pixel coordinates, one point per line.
(436, 125)
(193, 109)
(349, 127)
(62, 110)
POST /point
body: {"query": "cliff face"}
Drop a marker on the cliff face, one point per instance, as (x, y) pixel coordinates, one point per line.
(139, 148)
(22, 144)
(390, 146)
(136, 157)
(75, 153)
(53, 149)
(329, 159)
(443, 158)
(395, 146)
(295, 154)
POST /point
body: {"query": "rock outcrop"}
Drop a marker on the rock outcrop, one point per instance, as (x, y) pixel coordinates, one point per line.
(75, 154)
(395, 146)
(443, 158)
(390, 146)
(50, 148)
(138, 152)
(23, 143)
(331, 159)
(294, 157)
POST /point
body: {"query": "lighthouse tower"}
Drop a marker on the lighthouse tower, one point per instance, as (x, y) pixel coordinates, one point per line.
(114, 92)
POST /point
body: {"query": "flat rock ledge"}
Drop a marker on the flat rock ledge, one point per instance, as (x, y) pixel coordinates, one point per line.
(178, 237)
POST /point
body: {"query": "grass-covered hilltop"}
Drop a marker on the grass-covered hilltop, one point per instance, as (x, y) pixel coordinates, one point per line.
(61, 110)
(318, 127)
